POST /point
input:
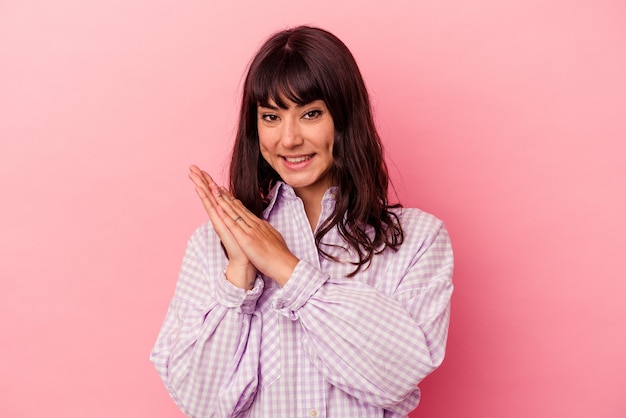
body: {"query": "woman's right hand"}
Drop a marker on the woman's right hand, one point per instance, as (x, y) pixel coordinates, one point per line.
(240, 271)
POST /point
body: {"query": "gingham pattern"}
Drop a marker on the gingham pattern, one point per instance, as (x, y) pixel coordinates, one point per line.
(323, 345)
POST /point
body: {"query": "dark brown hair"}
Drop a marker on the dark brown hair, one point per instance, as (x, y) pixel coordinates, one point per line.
(305, 64)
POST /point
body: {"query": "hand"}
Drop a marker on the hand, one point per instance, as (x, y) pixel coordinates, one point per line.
(251, 237)
(240, 270)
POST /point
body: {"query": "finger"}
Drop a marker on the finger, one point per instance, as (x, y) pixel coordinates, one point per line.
(228, 195)
(236, 203)
(209, 204)
(214, 188)
(203, 189)
(199, 182)
(222, 230)
(237, 207)
(210, 195)
(194, 168)
(207, 190)
(231, 206)
(238, 228)
(202, 177)
(203, 181)
(233, 219)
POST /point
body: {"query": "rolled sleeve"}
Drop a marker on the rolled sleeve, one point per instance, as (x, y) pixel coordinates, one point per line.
(304, 282)
(231, 296)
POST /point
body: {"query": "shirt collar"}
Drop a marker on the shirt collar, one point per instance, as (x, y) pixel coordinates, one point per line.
(284, 191)
(272, 196)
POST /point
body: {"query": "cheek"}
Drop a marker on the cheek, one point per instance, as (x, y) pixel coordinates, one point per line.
(330, 138)
(265, 153)
(265, 139)
(264, 146)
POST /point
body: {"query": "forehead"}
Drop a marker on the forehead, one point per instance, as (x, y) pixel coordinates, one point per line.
(283, 83)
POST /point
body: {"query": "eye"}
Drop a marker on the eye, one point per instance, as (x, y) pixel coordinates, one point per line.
(312, 114)
(269, 117)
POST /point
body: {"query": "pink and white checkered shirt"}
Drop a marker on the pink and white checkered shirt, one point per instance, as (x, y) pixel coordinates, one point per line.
(323, 345)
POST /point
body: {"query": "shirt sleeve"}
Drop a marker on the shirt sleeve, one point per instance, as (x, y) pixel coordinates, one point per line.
(207, 351)
(375, 346)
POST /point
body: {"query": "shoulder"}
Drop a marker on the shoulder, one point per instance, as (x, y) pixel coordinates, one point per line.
(204, 241)
(421, 229)
(417, 222)
(203, 234)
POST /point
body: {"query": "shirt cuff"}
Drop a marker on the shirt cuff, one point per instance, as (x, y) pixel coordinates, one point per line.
(304, 282)
(231, 296)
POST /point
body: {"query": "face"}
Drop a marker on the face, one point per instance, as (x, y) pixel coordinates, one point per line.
(298, 143)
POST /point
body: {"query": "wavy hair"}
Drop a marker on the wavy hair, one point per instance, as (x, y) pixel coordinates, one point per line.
(305, 64)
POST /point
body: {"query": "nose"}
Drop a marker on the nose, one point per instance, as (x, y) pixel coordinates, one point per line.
(290, 136)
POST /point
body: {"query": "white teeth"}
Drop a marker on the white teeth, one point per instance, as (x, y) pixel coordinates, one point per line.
(298, 159)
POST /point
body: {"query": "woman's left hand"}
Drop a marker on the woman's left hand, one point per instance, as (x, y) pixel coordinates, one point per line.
(258, 239)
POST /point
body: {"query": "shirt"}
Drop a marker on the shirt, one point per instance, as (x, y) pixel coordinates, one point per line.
(323, 345)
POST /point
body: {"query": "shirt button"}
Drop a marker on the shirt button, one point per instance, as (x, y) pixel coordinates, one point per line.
(313, 413)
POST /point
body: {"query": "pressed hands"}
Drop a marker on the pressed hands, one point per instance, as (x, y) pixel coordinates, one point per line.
(252, 244)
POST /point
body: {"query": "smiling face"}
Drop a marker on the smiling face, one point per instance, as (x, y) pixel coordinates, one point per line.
(297, 142)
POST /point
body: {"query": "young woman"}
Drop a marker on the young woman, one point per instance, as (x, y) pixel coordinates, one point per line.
(306, 294)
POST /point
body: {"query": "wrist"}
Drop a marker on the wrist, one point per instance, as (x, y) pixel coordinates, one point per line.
(242, 276)
(284, 273)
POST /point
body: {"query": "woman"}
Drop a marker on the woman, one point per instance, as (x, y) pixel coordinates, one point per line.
(307, 294)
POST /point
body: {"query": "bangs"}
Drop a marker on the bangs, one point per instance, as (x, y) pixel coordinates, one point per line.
(284, 76)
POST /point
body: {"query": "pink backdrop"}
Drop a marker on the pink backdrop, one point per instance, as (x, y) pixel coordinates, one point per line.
(505, 119)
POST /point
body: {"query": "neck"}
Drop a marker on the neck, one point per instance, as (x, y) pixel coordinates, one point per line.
(312, 200)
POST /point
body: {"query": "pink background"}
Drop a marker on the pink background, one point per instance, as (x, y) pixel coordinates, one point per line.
(505, 119)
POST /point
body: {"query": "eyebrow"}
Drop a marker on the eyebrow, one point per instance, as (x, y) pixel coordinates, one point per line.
(298, 106)
(267, 106)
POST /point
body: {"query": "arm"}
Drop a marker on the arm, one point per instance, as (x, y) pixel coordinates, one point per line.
(374, 346)
(207, 350)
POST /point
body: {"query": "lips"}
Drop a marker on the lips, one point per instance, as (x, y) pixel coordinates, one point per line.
(298, 159)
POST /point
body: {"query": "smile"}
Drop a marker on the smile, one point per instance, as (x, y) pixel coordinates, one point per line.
(297, 160)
